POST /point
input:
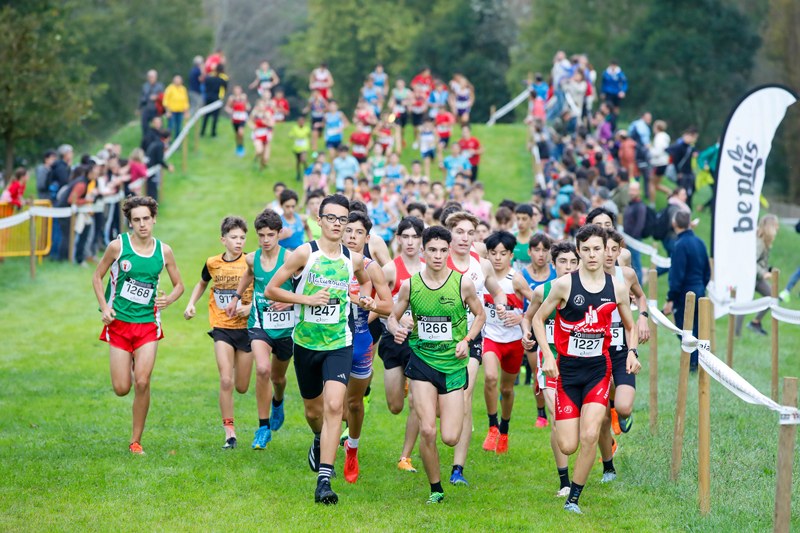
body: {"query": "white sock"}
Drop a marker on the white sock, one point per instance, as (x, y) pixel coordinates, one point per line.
(352, 443)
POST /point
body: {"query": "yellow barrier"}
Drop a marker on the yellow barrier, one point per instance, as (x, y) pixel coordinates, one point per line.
(16, 240)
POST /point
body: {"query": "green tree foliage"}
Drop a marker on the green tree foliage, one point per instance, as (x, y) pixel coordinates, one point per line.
(689, 61)
(45, 92)
(351, 36)
(472, 38)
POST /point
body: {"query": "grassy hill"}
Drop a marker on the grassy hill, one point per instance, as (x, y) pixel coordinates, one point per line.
(64, 435)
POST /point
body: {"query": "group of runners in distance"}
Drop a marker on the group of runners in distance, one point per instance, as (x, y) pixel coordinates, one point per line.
(436, 290)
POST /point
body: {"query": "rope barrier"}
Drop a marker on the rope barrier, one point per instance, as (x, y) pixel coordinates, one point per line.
(506, 109)
(721, 372)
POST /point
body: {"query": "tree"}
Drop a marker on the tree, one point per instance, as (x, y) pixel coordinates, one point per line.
(689, 61)
(42, 88)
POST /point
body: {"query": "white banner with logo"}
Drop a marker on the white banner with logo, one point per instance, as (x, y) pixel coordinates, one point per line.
(744, 150)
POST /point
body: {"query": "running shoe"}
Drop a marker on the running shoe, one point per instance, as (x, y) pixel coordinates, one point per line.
(324, 493)
(435, 497)
(262, 437)
(502, 444)
(572, 508)
(615, 422)
(785, 296)
(136, 448)
(625, 424)
(758, 328)
(608, 477)
(542, 422)
(490, 442)
(563, 492)
(350, 463)
(313, 458)
(457, 478)
(276, 417)
(405, 465)
(230, 444)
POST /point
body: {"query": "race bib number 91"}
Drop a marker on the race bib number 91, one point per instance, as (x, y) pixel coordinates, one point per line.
(137, 291)
(223, 297)
(585, 344)
(324, 314)
(435, 328)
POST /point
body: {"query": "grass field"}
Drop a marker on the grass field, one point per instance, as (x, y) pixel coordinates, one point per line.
(64, 463)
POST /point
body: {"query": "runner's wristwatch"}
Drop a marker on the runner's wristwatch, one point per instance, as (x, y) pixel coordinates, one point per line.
(635, 352)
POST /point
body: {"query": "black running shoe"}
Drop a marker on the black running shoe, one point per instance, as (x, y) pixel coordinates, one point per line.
(229, 444)
(324, 493)
(313, 456)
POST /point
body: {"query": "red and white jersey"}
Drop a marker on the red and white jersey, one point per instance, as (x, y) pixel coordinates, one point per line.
(385, 138)
(474, 273)
(583, 325)
(320, 78)
(239, 111)
(444, 123)
(281, 108)
(495, 329)
(418, 105)
(261, 130)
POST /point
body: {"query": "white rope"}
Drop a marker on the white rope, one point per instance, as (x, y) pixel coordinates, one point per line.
(790, 316)
(722, 373)
(646, 249)
(506, 109)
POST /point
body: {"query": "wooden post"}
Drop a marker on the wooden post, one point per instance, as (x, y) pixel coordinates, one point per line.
(32, 222)
(774, 278)
(683, 386)
(185, 154)
(731, 331)
(652, 289)
(787, 436)
(706, 318)
(71, 238)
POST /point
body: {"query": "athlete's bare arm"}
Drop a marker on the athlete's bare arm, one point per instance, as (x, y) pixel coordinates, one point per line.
(622, 294)
(522, 290)
(246, 281)
(174, 276)
(112, 252)
(384, 303)
(642, 324)
(393, 324)
(528, 342)
(493, 286)
(559, 292)
(390, 273)
(481, 249)
(295, 261)
(470, 297)
(624, 258)
(190, 311)
(379, 251)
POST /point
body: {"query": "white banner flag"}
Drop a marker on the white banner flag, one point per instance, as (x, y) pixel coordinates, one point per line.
(745, 147)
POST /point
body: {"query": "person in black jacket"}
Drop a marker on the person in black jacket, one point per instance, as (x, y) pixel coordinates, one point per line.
(155, 158)
(681, 156)
(690, 271)
(58, 177)
(215, 85)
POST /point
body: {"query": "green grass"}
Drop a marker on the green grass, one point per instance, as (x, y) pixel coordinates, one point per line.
(64, 463)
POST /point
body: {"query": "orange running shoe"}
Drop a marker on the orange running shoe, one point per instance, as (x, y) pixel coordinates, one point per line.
(350, 463)
(136, 448)
(615, 422)
(613, 447)
(502, 444)
(542, 422)
(490, 443)
(405, 465)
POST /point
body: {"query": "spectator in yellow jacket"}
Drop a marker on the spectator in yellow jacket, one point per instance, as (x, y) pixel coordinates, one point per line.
(176, 104)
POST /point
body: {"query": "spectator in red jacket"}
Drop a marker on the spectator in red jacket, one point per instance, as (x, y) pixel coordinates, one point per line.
(16, 189)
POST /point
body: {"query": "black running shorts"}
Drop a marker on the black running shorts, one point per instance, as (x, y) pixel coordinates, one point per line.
(315, 367)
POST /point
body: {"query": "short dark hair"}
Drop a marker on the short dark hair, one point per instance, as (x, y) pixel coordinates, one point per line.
(503, 215)
(278, 184)
(436, 232)
(563, 247)
(615, 236)
(231, 223)
(597, 211)
(682, 219)
(510, 204)
(588, 231)
(317, 193)
(411, 222)
(422, 208)
(335, 199)
(132, 202)
(286, 195)
(448, 210)
(524, 209)
(540, 238)
(360, 216)
(268, 219)
(501, 237)
(358, 205)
